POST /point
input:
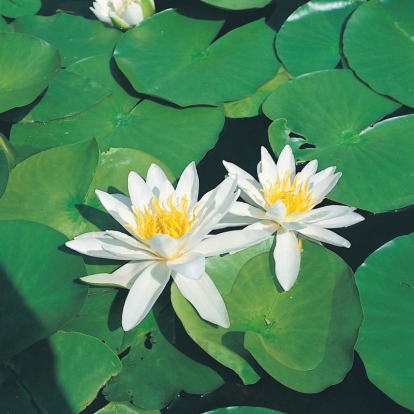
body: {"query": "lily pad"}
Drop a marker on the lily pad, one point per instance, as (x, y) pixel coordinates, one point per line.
(4, 172)
(3, 25)
(338, 123)
(197, 72)
(386, 283)
(162, 362)
(124, 408)
(385, 26)
(69, 33)
(238, 4)
(38, 293)
(66, 177)
(68, 95)
(310, 38)
(64, 373)
(243, 410)
(252, 105)
(17, 8)
(21, 84)
(304, 338)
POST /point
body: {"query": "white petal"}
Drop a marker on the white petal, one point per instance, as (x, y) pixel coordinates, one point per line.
(204, 296)
(230, 241)
(124, 277)
(246, 210)
(164, 245)
(126, 239)
(155, 179)
(231, 220)
(320, 190)
(167, 190)
(269, 226)
(277, 211)
(324, 235)
(287, 258)
(321, 175)
(307, 172)
(342, 221)
(118, 206)
(191, 265)
(97, 242)
(188, 185)
(125, 252)
(138, 190)
(268, 166)
(133, 14)
(103, 17)
(286, 163)
(143, 294)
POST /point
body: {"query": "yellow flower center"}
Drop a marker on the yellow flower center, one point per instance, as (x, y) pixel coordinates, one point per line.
(156, 219)
(297, 199)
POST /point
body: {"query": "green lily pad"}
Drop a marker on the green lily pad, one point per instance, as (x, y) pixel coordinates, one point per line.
(68, 95)
(21, 83)
(386, 283)
(75, 37)
(304, 338)
(385, 26)
(66, 177)
(310, 38)
(8, 150)
(101, 317)
(238, 4)
(162, 362)
(243, 410)
(17, 8)
(197, 72)
(3, 25)
(63, 374)
(124, 408)
(338, 123)
(38, 293)
(4, 172)
(252, 105)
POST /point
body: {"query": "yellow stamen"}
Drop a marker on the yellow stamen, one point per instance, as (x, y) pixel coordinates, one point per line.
(156, 219)
(297, 199)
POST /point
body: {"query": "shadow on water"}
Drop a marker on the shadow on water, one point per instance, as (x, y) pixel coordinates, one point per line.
(27, 371)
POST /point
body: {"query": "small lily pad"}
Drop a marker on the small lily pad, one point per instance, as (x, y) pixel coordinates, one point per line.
(238, 4)
(17, 8)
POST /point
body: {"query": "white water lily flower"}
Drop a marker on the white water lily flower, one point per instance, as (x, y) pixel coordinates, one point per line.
(168, 237)
(123, 14)
(283, 202)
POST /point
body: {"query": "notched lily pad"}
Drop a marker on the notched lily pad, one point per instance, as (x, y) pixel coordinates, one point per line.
(304, 338)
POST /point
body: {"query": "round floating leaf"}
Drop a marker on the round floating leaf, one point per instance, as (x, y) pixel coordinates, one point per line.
(3, 25)
(252, 105)
(67, 177)
(4, 172)
(243, 410)
(309, 40)
(161, 363)
(101, 317)
(385, 26)
(197, 72)
(338, 124)
(238, 4)
(175, 136)
(304, 338)
(124, 408)
(386, 284)
(68, 95)
(17, 8)
(21, 83)
(75, 37)
(64, 373)
(38, 293)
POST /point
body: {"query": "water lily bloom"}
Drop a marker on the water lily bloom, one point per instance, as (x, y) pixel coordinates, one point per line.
(168, 236)
(123, 14)
(283, 202)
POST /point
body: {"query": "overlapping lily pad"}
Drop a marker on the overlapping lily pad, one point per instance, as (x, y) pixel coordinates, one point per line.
(56, 187)
(378, 44)
(17, 8)
(243, 410)
(21, 83)
(310, 38)
(3, 25)
(68, 95)
(238, 4)
(64, 373)
(68, 34)
(197, 72)
(38, 289)
(304, 338)
(386, 283)
(338, 123)
(162, 362)
(124, 408)
(4, 172)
